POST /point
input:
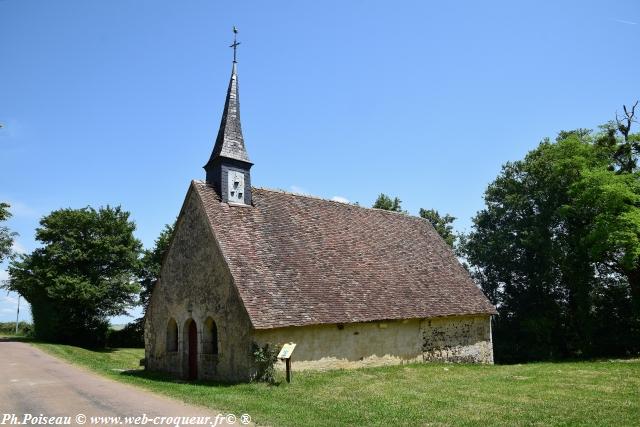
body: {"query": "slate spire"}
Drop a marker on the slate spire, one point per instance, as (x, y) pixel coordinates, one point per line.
(230, 142)
(229, 164)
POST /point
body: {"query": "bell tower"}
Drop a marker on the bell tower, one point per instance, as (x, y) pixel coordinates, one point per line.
(229, 165)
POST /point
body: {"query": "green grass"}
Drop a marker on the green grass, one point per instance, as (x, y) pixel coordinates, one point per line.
(604, 393)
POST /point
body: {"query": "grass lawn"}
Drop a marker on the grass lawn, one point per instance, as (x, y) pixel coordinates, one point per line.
(604, 393)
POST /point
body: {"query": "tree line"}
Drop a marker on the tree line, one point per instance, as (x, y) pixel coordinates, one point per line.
(556, 248)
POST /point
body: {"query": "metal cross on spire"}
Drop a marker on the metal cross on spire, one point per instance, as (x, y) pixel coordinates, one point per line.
(235, 43)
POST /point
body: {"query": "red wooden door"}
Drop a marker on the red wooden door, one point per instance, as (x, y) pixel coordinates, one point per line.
(193, 351)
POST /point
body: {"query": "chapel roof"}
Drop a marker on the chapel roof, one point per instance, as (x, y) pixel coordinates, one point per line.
(299, 260)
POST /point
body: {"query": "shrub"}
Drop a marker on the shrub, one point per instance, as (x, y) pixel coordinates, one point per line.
(9, 328)
(264, 359)
(131, 336)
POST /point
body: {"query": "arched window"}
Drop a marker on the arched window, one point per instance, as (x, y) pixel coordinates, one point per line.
(210, 337)
(172, 335)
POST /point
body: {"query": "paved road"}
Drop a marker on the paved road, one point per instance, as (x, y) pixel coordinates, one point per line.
(35, 383)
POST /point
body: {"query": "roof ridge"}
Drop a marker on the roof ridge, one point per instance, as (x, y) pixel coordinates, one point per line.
(311, 196)
(302, 261)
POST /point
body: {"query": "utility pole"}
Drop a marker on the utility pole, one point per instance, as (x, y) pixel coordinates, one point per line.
(17, 314)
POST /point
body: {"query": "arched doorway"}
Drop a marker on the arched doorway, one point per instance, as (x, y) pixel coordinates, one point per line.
(192, 349)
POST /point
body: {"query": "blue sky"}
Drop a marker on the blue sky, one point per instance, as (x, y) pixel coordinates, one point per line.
(118, 101)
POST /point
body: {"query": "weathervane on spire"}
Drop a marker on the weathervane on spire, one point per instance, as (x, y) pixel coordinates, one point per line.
(235, 43)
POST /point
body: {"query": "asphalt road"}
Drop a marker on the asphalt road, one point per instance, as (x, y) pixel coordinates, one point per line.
(33, 383)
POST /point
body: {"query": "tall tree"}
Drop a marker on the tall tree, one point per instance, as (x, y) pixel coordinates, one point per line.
(148, 273)
(151, 263)
(613, 202)
(83, 273)
(442, 224)
(6, 236)
(616, 136)
(387, 203)
(551, 244)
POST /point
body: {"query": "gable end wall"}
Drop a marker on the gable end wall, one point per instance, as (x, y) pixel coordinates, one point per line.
(196, 284)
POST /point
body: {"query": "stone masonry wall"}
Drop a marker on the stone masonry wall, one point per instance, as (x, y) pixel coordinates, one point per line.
(462, 339)
(449, 339)
(196, 284)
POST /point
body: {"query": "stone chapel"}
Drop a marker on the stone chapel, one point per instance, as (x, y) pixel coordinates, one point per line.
(351, 286)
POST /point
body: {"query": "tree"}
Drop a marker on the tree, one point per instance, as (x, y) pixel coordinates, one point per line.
(83, 273)
(551, 246)
(6, 236)
(610, 203)
(151, 263)
(132, 335)
(385, 202)
(613, 202)
(442, 224)
(625, 146)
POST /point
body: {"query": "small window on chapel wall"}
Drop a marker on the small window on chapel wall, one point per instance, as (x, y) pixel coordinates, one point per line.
(210, 337)
(172, 336)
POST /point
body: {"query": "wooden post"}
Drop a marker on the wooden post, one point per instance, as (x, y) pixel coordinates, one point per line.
(285, 353)
(288, 364)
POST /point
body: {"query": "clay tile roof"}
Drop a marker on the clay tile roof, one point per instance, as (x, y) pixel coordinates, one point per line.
(299, 260)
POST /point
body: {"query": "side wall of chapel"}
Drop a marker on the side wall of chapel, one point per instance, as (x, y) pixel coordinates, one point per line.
(447, 339)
